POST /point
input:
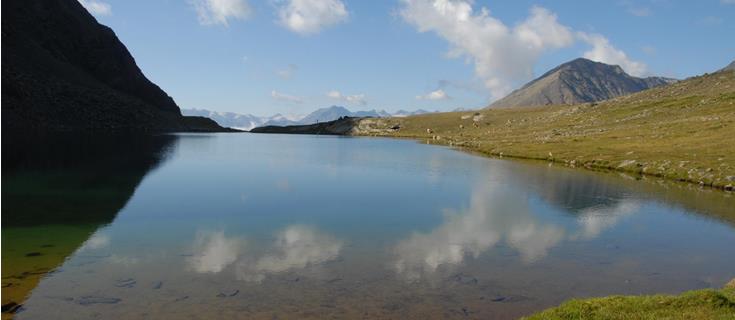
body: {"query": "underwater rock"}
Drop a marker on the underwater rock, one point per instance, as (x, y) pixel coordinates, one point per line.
(158, 285)
(125, 283)
(465, 279)
(231, 293)
(90, 300)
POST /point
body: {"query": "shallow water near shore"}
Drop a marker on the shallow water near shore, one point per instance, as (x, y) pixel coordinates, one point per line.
(290, 226)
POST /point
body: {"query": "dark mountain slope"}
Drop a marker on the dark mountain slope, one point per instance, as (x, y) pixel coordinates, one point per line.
(63, 71)
(578, 81)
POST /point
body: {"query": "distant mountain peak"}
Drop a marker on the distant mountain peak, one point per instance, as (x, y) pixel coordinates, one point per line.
(578, 81)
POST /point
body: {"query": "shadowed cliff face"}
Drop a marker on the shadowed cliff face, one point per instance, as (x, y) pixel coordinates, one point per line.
(63, 71)
(57, 190)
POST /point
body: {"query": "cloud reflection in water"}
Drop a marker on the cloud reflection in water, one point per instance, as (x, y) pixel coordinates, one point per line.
(213, 251)
(495, 215)
(296, 247)
(594, 220)
(98, 240)
(491, 217)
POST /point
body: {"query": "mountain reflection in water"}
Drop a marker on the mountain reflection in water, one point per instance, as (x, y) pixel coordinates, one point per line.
(57, 190)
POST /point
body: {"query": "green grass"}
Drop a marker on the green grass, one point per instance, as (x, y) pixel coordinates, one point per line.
(700, 304)
(681, 132)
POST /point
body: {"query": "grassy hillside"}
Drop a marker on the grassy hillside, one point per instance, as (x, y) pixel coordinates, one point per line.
(684, 131)
(699, 304)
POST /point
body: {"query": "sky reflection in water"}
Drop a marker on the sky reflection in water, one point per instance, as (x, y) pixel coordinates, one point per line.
(364, 221)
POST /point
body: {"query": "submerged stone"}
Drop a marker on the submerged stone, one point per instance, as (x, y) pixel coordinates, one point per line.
(90, 300)
(228, 293)
(158, 285)
(126, 283)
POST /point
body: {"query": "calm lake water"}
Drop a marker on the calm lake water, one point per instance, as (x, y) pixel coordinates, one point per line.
(282, 226)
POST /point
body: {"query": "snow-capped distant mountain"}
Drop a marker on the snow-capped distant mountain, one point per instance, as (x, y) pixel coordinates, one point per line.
(336, 112)
(280, 120)
(227, 119)
(241, 121)
(404, 113)
(249, 121)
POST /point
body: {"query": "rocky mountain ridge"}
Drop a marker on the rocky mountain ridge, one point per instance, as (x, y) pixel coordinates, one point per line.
(63, 71)
(578, 81)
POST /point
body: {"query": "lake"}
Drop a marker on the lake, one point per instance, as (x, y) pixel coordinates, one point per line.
(289, 226)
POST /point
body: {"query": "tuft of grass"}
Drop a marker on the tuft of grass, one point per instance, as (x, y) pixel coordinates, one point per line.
(699, 304)
(683, 131)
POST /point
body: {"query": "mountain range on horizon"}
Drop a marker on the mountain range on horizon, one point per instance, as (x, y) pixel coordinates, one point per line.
(578, 81)
(249, 121)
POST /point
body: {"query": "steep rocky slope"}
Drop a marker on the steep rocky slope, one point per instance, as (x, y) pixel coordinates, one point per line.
(63, 71)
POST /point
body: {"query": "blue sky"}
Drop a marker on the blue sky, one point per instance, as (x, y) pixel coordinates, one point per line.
(294, 56)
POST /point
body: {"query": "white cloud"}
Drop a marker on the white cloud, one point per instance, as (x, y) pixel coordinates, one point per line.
(502, 55)
(434, 95)
(211, 12)
(727, 1)
(310, 16)
(288, 72)
(213, 252)
(351, 99)
(96, 7)
(603, 51)
(285, 97)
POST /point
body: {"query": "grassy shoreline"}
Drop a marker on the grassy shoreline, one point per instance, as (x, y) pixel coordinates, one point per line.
(681, 132)
(697, 304)
(469, 148)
